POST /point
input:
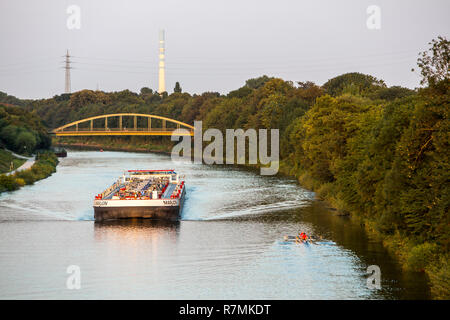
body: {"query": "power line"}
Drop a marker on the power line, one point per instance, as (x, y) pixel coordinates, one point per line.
(253, 60)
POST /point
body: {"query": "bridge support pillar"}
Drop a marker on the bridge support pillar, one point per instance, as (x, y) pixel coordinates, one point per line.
(76, 127)
(106, 123)
(149, 125)
(120, 123)
(92, 125)
(164, 125)
(135, 123)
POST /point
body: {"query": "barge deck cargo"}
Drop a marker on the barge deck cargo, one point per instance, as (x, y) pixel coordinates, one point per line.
(151, 194)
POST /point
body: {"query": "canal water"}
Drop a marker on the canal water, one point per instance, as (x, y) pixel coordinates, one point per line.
(228, 244)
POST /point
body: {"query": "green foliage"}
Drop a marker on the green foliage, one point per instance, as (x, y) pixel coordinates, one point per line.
(354, 83)
(8, 183)
(11, 100)
(22, 131)
(9, 134)
(324, 133)
(421, 255)
(62, 97)
(439, 273)
(241, 92)
(25, 141)
(146, 91)
(435, 62)
(257, 83)
(5, 161)
(390, 94)
(44, 166)
(84, 97)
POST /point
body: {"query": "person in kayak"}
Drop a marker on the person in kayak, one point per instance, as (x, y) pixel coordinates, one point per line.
(303, 236)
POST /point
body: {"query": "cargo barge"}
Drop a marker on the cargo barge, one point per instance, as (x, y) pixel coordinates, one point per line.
(150, 194)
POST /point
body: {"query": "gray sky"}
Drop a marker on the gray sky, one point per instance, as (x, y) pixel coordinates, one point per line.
(210, 45)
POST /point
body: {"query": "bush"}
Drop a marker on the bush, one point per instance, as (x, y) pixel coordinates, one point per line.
(26, 175)
(8, 183)
(420, 256)
(21, 130)
(20, 182)
(440, 278)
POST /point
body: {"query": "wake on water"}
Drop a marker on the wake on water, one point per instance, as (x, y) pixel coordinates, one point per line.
(213, 193)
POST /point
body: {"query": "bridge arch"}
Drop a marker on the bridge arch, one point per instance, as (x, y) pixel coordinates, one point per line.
(120, 130)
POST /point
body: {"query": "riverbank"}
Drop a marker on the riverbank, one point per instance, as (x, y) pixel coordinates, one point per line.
(113, 145)
(5, 161)
(25, 163)
(44, 165)
(98, 147)
(411, 254)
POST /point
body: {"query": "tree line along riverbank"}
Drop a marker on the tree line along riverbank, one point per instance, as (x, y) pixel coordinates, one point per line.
(377, 153)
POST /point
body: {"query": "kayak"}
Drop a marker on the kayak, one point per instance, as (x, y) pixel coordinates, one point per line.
(297, 239)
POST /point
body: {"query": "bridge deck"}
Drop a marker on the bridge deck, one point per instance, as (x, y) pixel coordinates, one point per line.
(122, 133)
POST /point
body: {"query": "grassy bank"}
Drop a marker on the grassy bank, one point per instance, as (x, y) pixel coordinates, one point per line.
(44, 166)
(5, 161)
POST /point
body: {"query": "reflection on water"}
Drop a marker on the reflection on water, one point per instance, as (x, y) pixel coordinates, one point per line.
(138, 228)
(227, 246)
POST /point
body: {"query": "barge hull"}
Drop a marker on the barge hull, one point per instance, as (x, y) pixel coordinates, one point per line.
(160, 213)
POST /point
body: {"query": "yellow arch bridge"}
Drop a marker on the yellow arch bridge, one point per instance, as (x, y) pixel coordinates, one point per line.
(124, 124)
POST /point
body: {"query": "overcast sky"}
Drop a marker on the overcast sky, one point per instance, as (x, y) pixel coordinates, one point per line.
(210, 45)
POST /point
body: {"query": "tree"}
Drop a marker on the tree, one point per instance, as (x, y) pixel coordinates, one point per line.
(146, 90)
(392, 93)
(256, 83)
(354, 81)
(177, 87)
(240, 93)
(434, 63)
(85, 97)
(8, 135)
(62, 97)
(25, 142)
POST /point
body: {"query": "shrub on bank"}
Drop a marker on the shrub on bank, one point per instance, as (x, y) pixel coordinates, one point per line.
(44, 166)
(20, 182)
(439, 273)
(8, 183)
